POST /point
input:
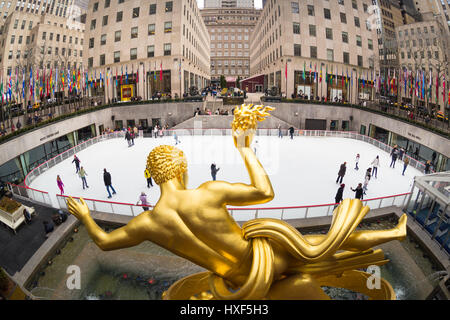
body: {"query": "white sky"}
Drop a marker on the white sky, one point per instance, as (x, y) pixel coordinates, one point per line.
(258, 3)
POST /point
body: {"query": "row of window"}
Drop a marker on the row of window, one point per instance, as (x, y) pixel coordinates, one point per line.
(428, 42)
(232, 45)
(330, 54)
(416, 54)
(43, 51)
(230, 54)
(58, 37)
(419, 31)
(230, 71)
(167, 8)
(231, 37)
(133, 54)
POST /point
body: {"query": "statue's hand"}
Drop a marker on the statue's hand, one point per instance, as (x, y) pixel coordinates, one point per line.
(243, 139)
(79, 209)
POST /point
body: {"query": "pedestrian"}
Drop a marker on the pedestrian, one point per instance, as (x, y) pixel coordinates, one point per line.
(427, 167)
(369, 173)
(143, 201)
(339, 195)
(341, 172)
(256, 146)
(433, 156)
(405, 164)
(356, 161)
(82, 173)
(161, 132)
(280, 133)
(60, 184)
(155, 130)
(176, 138)
(108, 183)
(77, 162)
(48, 227)
(132, 137)
(135, 131)
(214, 171)
(394, 155)
(291, 132)
(18, 124)
(128, 138)
(375, 163)
(358, 191)
(148, 177)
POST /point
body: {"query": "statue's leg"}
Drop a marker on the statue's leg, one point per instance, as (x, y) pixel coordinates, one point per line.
(297, 287)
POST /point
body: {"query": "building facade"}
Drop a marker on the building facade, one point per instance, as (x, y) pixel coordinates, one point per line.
(230, 31)
(229, 3)
(59, 8)
(141, 48)
(325, 49)
(39, 45)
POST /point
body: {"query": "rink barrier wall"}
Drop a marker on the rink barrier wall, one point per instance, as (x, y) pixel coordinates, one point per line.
(283, 213)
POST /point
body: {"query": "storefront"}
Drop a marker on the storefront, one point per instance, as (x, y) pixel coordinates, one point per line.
(304, 85)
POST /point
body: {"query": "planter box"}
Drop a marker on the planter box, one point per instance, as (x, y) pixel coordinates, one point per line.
(15, 219)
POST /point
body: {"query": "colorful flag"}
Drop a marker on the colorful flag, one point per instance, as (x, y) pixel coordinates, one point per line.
(160, 72)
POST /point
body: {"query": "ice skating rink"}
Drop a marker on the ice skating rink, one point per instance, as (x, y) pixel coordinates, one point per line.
(303, 171)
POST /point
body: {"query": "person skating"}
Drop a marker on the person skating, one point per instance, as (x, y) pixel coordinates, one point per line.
(176, 138)
(291, 132)
(401, 152)
(214, 171)
(394, 156)
(148, 177)
(256, 146)
(366, 183)
(108, 183)
(128, 138)
(143, 201)
(341, 172)
(427, 167)
(60, 184)
(405, 164)
(375, 163)
(339, 195)
(77, 162)
(82, 173)
(357, 161)
(358, 191)
(280, 133)
(132, 138)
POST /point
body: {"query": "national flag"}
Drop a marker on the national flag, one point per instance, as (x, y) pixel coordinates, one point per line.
(160, 72)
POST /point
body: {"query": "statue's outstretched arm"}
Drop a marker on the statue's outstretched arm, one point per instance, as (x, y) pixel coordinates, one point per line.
(124, 237)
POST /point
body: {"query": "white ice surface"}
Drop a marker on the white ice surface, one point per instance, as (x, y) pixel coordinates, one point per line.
(303, 171)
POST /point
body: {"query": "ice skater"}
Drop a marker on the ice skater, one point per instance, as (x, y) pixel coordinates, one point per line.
(143, 201)
(176, 138)
(82, 174)
(60, 184)
(401, 152)
(280, 133)
(256, 146)
(394, 156)
(366, 183)
(427, 167)
(214, 171)
(155, 131)
(341, 172)
(148, 176)
(108, 183)
(375, 163)
(77, 162)
(339, 195)
(358, 191)
(132, 137)
(357, 161)
(291, 132)
(405, 164)
(128, 138)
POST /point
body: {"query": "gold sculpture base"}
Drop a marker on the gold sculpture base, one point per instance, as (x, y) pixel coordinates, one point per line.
(196, 287)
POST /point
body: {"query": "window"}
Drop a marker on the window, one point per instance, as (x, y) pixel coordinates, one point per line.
(135, 13)
(326, 13)
(370, 44)
(16, 23)
(330, 54)
(51, 36)
(119, 16)
(121, 1)
(343, 17)
(151, 29)
(329, 33)
(168, 27)
(133, 53)
(30, 25)
(354, 5)
(105, 21)
(313, 52)
(90, 62)
(13, 38)
(312, 30)
(103, 40)
(10, 54)
(341, 2)
(296, 28)
(169, 6)
(134, 32)
(346, 57)
(44, 35)
(294, 7)
(297, 50)
(70, 39)
(310, 10)
(95, 7)
(360, 61)
(152, 8)
(116, 56)
(91, 43)
(56, 51)
(93, 23)
(357, 22)
(117, 36)
(102, 59)
(20, 40)
(57, 37)
(23, 24)
(167, 49)
(358, 41)
(150, 51)
(107, 3)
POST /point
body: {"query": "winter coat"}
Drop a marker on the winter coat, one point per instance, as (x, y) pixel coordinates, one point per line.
(406, 161)
(77, 161)
(127, 136)
(342, 170)
(107, 178)
(359, 193)
(147, 174)
(339, 194)
(214, 169)
(60, 183)
(376, 162)
(82, 173)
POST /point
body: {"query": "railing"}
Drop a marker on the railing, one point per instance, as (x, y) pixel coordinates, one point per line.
(239, 214)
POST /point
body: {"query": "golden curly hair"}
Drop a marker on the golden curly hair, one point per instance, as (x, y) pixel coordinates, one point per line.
(165, 163)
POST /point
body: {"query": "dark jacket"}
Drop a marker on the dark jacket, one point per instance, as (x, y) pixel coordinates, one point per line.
(107, 178)
(214, 169)
(339, 194)
(77, 161)
(128, 136)
(342, 170)
(359, 192)
(291, 130)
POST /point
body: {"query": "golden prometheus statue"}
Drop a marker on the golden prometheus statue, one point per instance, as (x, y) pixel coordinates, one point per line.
(266, 258)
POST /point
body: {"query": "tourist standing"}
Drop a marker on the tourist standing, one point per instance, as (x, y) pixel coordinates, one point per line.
(358, 191)
(375, 163)
(108, 183)
(341, 172)
(280, 133)
(339, 194)
(82, 174)
(60, 184)
(214, 171)
(394, 155)
(148, 177)
(291, 132)
(357, 161)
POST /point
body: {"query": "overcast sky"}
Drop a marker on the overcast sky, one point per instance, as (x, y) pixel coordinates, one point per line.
(258, 3)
